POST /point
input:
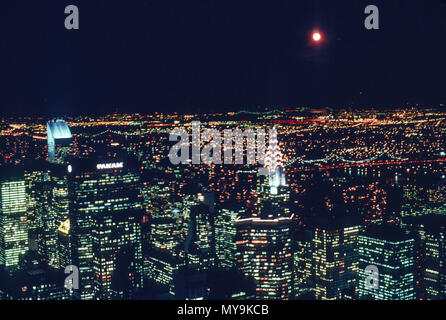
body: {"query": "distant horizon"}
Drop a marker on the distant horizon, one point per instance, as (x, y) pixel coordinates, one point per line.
(258, 109)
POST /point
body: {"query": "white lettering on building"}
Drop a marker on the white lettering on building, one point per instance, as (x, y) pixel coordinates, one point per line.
(116, 165)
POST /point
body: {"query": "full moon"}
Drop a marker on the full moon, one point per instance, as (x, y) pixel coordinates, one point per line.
(317, 36)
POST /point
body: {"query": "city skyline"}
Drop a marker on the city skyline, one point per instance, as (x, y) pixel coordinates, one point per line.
(100, 195)
(223, 156)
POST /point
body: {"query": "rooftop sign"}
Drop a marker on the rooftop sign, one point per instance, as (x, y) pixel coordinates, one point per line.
(115, 165)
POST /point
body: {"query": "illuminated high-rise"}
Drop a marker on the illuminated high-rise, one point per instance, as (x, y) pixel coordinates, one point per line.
(105, 227)
(225, 235)
(264, 254)
(334, 259)
(13, 220)
(47, 196)
(429, 232)
(199, 243)
(272, 190)
(391, 251)
(302, 266)
(59, 141)
(264, 248)
(165, 234)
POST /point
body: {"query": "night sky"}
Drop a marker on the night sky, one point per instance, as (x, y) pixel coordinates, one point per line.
(209, 55)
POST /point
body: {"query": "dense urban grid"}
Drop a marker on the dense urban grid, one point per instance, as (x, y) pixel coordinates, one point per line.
(347, 190)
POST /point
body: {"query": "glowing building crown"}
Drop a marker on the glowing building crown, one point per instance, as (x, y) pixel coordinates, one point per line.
(274, 164)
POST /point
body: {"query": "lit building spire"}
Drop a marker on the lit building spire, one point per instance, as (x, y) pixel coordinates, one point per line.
(273, 156)
(274, 165)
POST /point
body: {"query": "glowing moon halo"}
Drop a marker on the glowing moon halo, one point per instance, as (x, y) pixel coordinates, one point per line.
(317, 36)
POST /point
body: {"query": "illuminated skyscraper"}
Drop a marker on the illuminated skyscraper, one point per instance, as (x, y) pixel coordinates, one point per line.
(225, 235)
(158, 196)
(273, 190)
(199, 246)
(434, 263)
(335, 259)
(164, 217)
(47, 223)
(430, 255)
(165, 234)
(105, 217)
(303, 280)
(59, 139)
(264, 251)
(47, 196)
(161, 268)
(33, 178)
(264, 254)
(13, 220)
(64, 244)
(181, 245)
(392, 252)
